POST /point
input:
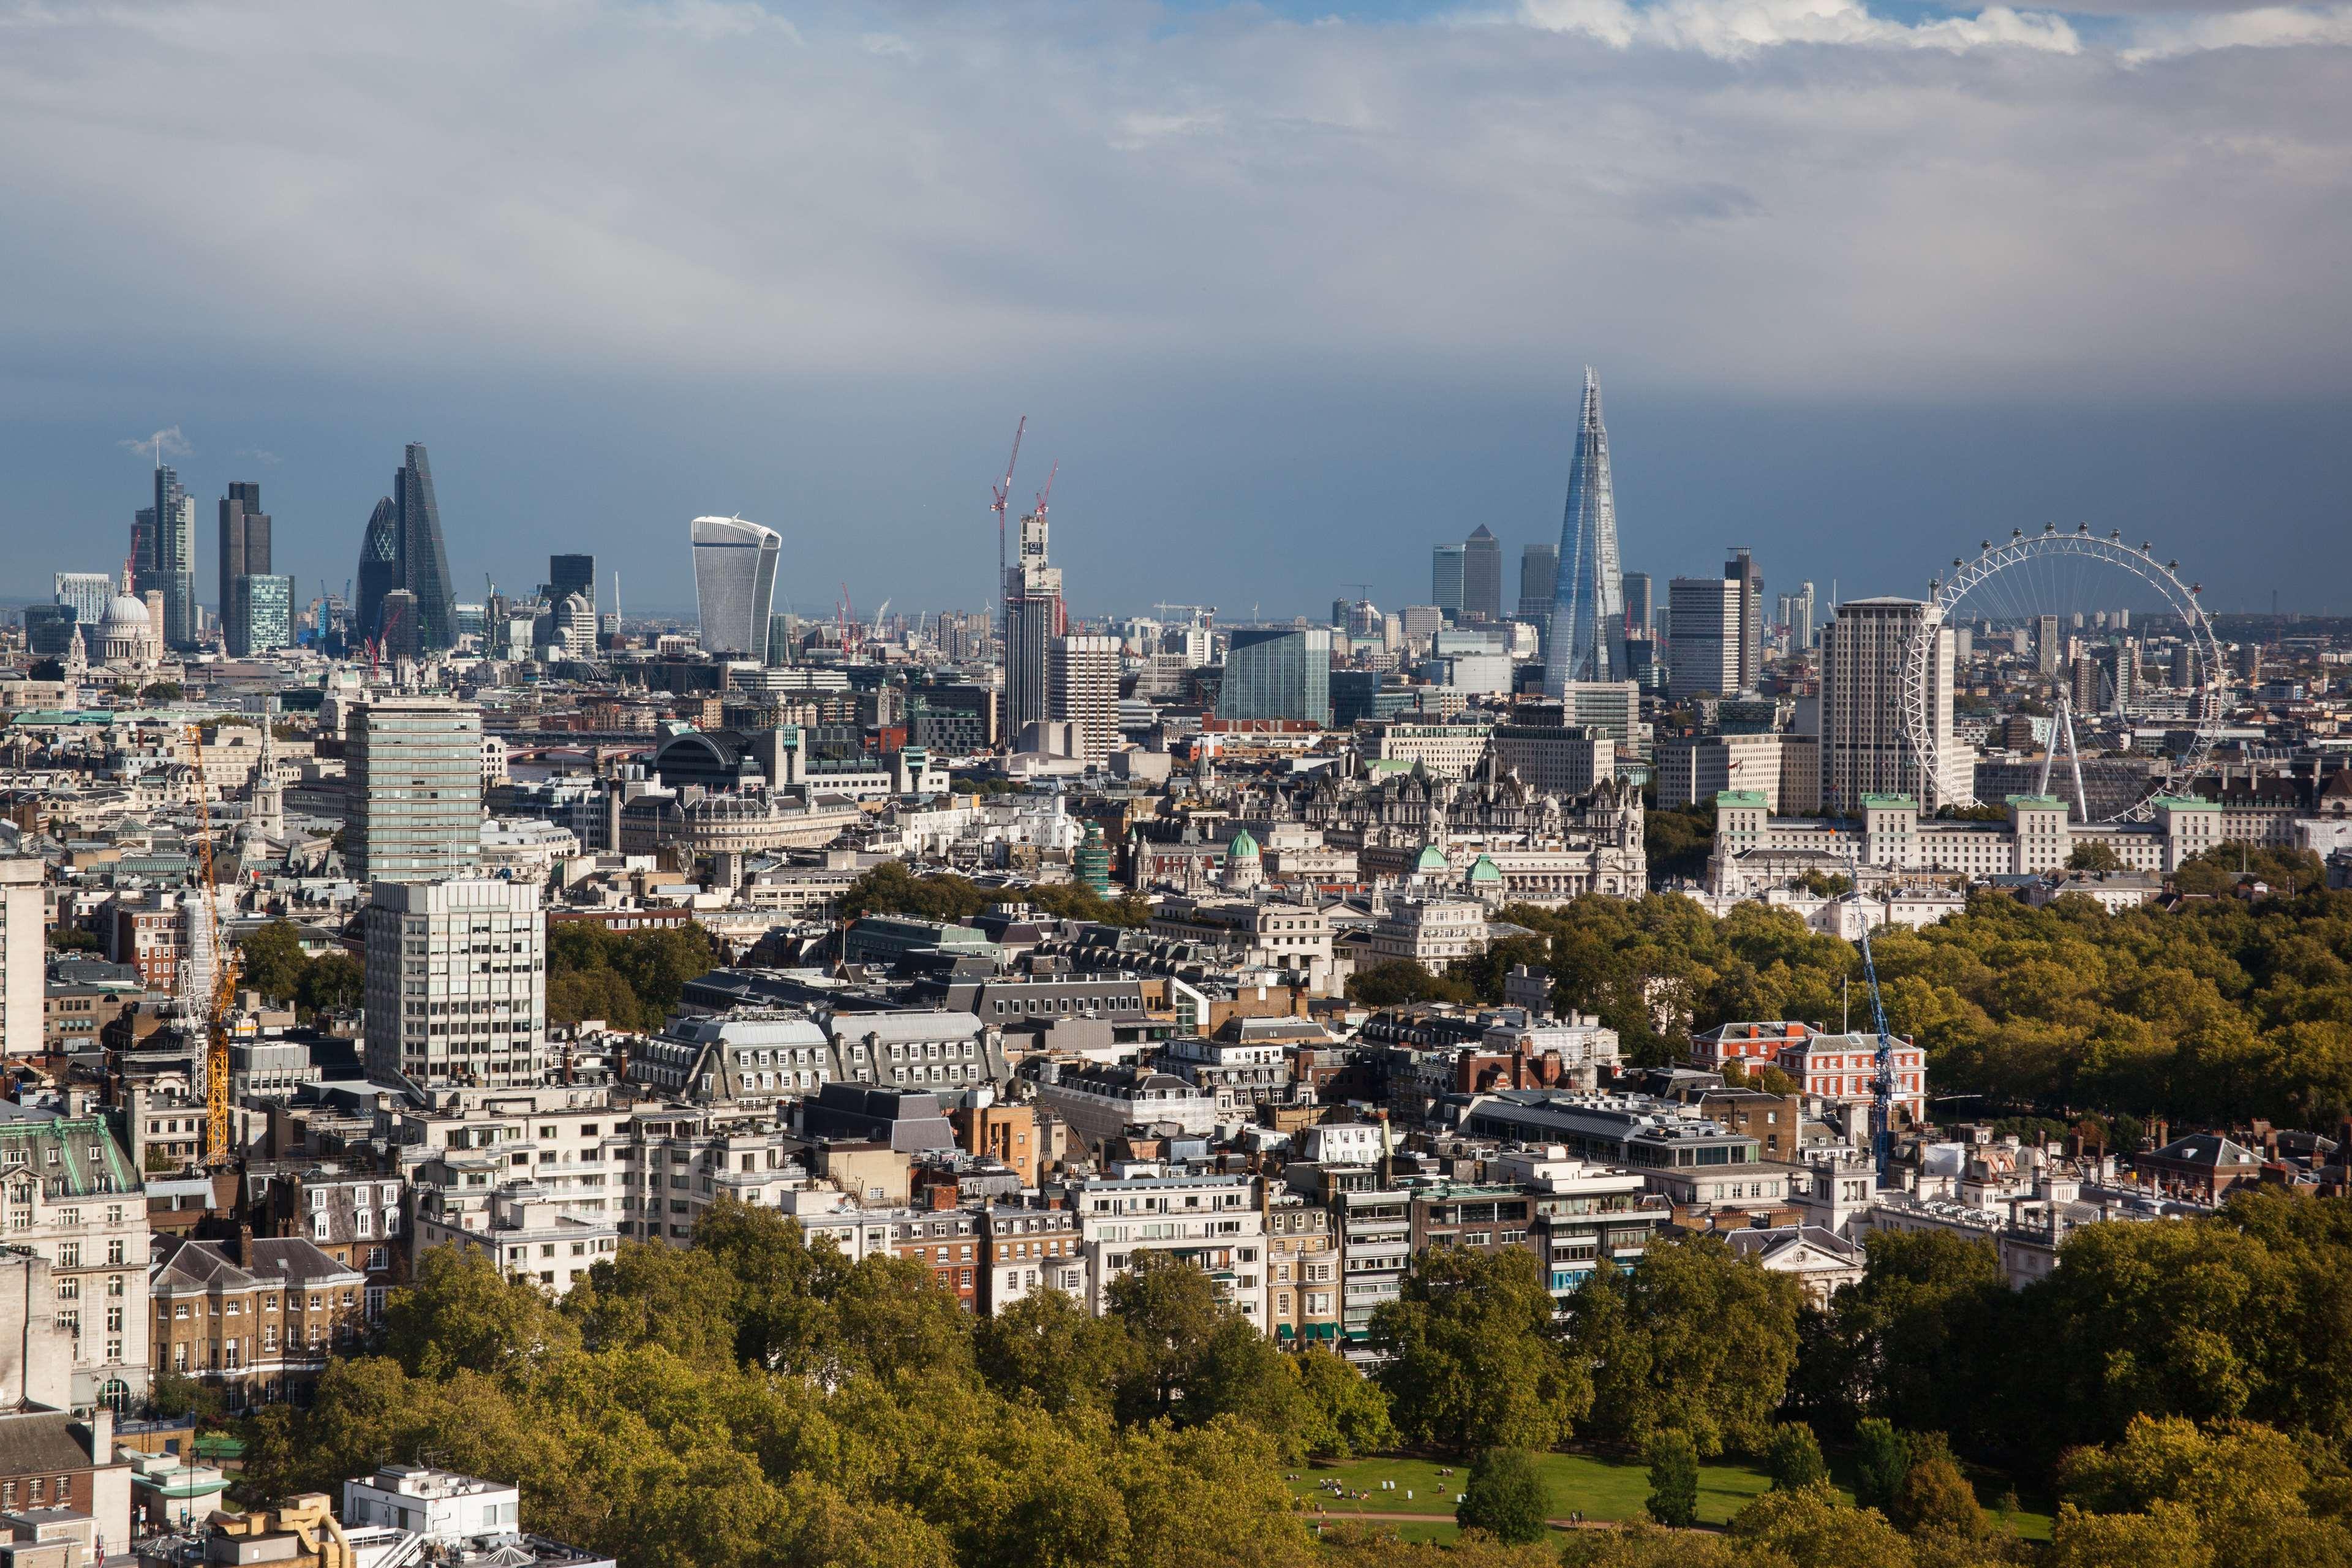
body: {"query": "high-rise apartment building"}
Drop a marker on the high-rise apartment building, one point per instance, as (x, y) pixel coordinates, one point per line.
(734, 584)
(413, 783)
(1033, 618)
(1702, 637)
(1538, 581)
(51, 630)
(1445, 574)
(404, 548)
(1082, 677)
(244, 546)
(1277, 672)
(259, 616)
(2048, 648)
(570, 574)
(1587, 628)
(1641, 607)
(1864, 749)
(456, 982)
(1741, 569)
(1482, 576)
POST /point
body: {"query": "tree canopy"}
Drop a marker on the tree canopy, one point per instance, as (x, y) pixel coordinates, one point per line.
(632, 980)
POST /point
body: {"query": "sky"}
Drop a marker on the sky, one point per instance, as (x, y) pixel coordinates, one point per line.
(1289, 291)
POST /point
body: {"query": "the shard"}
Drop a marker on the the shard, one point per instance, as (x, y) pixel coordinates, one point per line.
(1588, 616)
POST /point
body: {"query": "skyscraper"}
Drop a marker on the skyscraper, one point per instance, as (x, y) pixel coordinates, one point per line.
(1588, 629)
(1641, 607)
(167, 535)
(1864, 749)
(734, 584)
(1277, 672)
(424, 559)
(456, 982)
(570, 574)
(403, 548)
(1703, 637)
(1797, 615)
(1083, 673)
(243, 550)
(1741, 569)
(1482, 576)
(412, 788)
(89, 592)
(2049, 652)
(259, 615)
(1445, 574)
(1033, 618)
(1538, 581)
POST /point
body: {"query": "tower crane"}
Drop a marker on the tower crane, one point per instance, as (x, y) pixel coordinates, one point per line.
(1002, 492)
(214, 1008)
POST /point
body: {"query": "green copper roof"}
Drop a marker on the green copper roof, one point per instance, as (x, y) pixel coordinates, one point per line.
(2034, 800)
(1242, 847)
(90, 1161)
(2186, 803)
(1484, 870)
(1889, 803)
(1740, 797)
(1433, 859)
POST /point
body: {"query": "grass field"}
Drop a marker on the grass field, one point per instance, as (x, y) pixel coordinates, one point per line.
(1602, 1488)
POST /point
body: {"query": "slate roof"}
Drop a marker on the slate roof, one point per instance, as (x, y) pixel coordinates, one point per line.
(181, 1267)
(39, 1442)
(2207, 1148)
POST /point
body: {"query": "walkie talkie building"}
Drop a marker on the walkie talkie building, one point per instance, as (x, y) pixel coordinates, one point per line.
(734, 584)
(1588, 618)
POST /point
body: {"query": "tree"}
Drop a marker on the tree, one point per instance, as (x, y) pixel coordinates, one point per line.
(1195, 1356)
(1048, 1346)
(72, 939)
(1811, 1529)
(1924, 1305)
(1881, 1459)
(1350, 1411)
(1505, 1497)
(272, 960)
(1472, 1362)
(1691, 1337)
(1934, 1497)
(459, 1311)
(161, 692)
(1398, 982)
(2255, 1495)
(1793, 1458)
(171, 1395)
(330, 982)
(2093, 856)
(1673, 1479)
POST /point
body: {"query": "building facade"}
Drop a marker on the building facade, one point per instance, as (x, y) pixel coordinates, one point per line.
(1278, 673)
(456, 982)
(734, 584)
(413, 782)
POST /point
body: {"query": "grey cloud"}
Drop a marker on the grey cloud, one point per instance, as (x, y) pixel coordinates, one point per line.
(687, 190)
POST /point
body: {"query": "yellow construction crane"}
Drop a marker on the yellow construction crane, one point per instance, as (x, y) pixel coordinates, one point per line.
(222, 1002)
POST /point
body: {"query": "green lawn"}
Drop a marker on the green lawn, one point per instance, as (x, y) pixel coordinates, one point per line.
(1600, 1488)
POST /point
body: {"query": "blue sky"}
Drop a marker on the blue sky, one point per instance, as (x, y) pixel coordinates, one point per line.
(1289, 290)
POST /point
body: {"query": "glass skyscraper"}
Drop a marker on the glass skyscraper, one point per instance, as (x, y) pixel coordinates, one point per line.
(734, 584)
(402, 549)
(259, 615)
(1588, 624)
(1277, 672)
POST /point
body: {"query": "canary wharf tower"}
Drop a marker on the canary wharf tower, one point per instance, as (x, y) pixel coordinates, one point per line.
(1588, 616)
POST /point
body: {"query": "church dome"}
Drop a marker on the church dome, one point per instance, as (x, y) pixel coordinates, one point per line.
(1485, 871)
(124, 610)
(1433, 859)
(1242, 847)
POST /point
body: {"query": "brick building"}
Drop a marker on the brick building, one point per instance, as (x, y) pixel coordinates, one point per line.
(256, 1317)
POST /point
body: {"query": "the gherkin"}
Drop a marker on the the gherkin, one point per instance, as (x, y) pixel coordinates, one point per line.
(403, 549)
(1588, 618)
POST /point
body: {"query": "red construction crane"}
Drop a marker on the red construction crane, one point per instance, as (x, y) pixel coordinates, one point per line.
(1047, 494)
(1002, 493)
(375, 643)
(848, 617)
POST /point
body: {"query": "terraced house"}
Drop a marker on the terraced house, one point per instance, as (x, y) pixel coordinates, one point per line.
(256, 1318)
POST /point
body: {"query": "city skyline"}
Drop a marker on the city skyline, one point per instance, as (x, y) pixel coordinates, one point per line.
(1260, 357)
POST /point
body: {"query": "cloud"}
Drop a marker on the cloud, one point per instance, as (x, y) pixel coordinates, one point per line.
(255, 454)
(1721, 193)
(1732, 28)
(2261, 27)
(165, 442)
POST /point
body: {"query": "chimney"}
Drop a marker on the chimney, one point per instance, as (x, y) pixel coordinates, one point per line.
(244, 1245)
(101, 1436)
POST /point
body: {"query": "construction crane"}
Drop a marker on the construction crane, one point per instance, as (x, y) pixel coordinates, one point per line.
(375, 643)
(876, 634)
(844, 617)
(215, 1008)
(1881, 1109)
(1002, 492)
